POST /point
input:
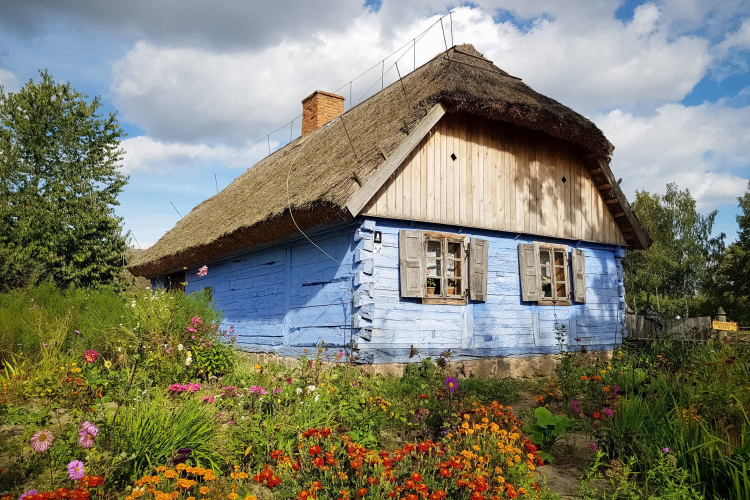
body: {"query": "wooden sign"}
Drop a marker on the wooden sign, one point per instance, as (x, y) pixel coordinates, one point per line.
(726, 326)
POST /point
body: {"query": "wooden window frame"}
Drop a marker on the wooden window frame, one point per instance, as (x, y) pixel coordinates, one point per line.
(443, 297)
(552, 248)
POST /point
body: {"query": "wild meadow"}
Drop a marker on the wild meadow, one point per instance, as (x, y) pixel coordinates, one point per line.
(141, 395)
(667, 419)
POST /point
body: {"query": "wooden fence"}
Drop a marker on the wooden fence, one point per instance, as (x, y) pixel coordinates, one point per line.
(641, 327)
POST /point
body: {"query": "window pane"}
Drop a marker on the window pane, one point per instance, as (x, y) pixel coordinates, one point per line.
(434, 249)
(450, 268)
(561, 291)
(454, 287)
(560, 274)
(457, 269)
(547, 290)
(544, 257)
(560, 258)
(454, 250)
(545, 273)
(434, 286)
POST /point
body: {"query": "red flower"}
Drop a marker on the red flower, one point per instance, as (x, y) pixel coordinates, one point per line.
(90, 356)
(372, 481)
(445, 473)
(596, 414)
(416, 477)
(315, 450)
(277, 454)
(362, 492)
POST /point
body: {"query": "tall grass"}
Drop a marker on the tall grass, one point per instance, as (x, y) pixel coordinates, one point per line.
(151, 432)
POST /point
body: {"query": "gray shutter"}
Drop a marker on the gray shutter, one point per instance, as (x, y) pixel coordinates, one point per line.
(478, 253)
(528, 263)
(579, 275)
(412, 264)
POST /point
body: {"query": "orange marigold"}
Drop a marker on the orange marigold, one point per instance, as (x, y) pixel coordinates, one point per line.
(170, 474)
(204, 490)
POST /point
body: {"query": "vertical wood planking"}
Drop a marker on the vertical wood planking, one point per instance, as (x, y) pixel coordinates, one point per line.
(469, 169)
(504, 177)
(431, 177)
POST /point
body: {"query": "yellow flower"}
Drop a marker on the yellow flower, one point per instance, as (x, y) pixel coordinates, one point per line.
(204, 490)
(257, 367)
(249, 497)
(181, 467)
(170, 474)
(232, 496)
(161, 468)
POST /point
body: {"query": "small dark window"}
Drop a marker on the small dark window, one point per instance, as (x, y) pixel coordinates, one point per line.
(453, 156)
(175, 281)
(564, 179)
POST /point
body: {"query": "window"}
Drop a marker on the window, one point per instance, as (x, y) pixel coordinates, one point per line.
(553, 269)
(445, 258)
(438, 267)
(175, 282)
(545, 274)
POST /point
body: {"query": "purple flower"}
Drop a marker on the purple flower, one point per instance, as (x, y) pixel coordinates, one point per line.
(76, 470)
(86, 434)
(616, 390)
(451, 384)
(576, 407)
(28, 494)
(607, 412)
(278, 391)
(665, 450)
(592, 446)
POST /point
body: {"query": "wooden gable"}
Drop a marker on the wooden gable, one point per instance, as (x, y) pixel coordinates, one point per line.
(471, 171)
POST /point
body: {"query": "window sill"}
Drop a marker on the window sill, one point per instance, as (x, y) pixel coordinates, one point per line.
(449, 302)
(554, 303)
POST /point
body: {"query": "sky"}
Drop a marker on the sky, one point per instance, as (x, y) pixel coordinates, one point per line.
(199, 86)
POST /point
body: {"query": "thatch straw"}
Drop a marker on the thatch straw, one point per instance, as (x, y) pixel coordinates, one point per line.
(253, 209)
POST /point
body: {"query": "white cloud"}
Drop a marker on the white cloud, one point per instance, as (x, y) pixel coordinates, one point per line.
(703, 148)
(8, 81)
(196, 94)
(144, 154)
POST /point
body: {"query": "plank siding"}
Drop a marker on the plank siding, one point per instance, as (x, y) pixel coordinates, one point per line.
(505, 177)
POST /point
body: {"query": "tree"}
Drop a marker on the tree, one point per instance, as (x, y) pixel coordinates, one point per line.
(683, 257)
(59, 182)
(732, 286)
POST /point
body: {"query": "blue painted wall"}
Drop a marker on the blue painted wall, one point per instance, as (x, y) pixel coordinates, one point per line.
(290, 297)
(504, 325)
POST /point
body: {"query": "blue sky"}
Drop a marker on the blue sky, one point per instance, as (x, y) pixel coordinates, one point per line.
(195, 86)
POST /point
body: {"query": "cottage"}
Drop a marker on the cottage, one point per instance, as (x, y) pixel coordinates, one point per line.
(455, 209)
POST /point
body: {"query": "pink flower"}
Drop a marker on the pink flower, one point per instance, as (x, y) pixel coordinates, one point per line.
(76, 470)
(278, 391)
(208, 399)
(576, 407)
(86, 434)
(28, 494)
(196, 320)
(41, 441)
(191, 330)
(592, 446)
(90, 356)
(203, 271)
(607, 412)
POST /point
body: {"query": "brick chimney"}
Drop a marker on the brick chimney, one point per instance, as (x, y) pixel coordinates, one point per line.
(320, 108)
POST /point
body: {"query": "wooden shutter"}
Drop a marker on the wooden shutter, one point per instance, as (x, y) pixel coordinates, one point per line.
(478, 253)
(528, 263)
(579, 275)
(412, 264)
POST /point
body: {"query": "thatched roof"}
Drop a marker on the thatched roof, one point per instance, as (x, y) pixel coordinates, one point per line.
(253, 209)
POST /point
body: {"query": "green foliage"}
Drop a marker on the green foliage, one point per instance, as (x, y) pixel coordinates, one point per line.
(547, 430)
(59, 182)
(682, 259)
(150, 432)
(502, 390)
